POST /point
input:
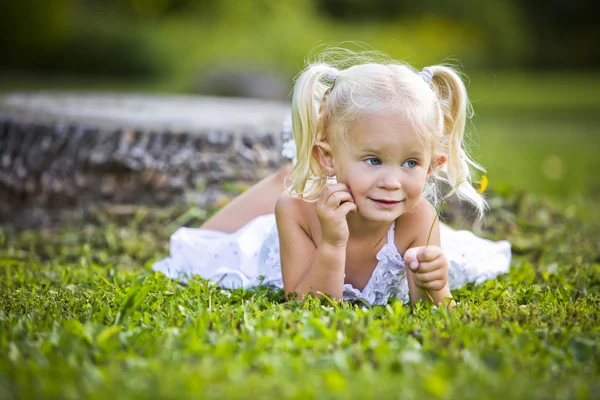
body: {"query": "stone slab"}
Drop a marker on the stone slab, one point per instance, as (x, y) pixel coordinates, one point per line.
(63, 153)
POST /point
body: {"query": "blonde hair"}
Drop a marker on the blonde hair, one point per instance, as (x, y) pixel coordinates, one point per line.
(327, 100)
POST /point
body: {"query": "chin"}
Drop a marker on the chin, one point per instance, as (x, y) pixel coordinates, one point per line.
(381, 216)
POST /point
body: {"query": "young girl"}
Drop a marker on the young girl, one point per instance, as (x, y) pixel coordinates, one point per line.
(353, 215)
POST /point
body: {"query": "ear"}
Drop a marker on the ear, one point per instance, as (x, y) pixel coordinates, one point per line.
(436, 163)
(322, 152)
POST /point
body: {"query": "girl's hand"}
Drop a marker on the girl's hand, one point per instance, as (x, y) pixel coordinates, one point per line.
(334, 203)
(429, 267)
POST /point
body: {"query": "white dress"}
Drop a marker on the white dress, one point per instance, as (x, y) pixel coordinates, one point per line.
(249, 257)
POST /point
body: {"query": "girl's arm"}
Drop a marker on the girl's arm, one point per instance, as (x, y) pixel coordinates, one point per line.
(421, 221)
(306, 268)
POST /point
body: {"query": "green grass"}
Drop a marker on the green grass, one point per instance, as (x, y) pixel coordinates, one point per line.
(83, 315)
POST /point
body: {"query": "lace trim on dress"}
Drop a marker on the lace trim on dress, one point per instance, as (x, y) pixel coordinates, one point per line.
(470, 259)
(388, 278)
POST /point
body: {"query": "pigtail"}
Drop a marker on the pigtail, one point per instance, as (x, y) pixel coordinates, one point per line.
(455, 108)
(307, 177)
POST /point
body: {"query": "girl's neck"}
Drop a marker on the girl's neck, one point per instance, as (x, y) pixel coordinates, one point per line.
(363, 229)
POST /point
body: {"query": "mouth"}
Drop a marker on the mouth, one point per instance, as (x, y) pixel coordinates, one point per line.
(386, 203)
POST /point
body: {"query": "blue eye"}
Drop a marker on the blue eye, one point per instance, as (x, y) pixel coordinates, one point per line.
(373, 161)
(410, 163)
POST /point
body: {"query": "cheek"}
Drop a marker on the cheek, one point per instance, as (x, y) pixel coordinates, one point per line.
(341, 178)
(419, 185)
(351, 185)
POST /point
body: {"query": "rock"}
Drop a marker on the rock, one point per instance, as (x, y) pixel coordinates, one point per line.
(63, 153)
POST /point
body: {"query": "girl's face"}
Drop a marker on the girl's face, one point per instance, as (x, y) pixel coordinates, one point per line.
(384, 165)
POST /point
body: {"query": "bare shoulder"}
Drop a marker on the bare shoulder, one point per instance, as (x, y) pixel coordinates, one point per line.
(413, 227)
(286, 202)
(291, 208)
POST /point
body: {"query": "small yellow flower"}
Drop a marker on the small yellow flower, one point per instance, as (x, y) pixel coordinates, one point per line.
(483, 184)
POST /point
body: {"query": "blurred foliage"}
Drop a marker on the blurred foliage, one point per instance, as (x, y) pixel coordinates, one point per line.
(565, 36)
(183, 38)
(539, 132)
(60, 36)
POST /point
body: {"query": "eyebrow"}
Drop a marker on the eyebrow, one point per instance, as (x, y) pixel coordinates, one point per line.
(412, 153)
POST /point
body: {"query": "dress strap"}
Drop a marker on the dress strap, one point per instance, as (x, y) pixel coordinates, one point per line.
(390, 234)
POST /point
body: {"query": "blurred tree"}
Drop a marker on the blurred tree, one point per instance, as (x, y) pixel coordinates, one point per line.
(148, 37)
(33, 29)
(566, 33)
(537, 33)
(154, 8)
(500, 24)
(73, 36)
(361, 11)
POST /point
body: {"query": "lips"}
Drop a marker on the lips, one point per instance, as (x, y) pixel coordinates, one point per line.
(386, 203)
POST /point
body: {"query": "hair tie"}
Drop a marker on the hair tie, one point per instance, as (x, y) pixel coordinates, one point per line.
(426, 74)
(332, 74)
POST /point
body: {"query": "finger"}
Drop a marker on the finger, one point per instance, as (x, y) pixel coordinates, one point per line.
(428, 253)
(346, 208)
(432, 276)
(438, 263)
(410, 257)
(337, 198)
(329, 190)
(335, 187)
(434, 285)
(429, 284)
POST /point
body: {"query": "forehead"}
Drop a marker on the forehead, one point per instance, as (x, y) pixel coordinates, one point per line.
(383, 133)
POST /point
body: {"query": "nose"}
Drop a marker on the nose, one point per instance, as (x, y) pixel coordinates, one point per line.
(389, 180)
